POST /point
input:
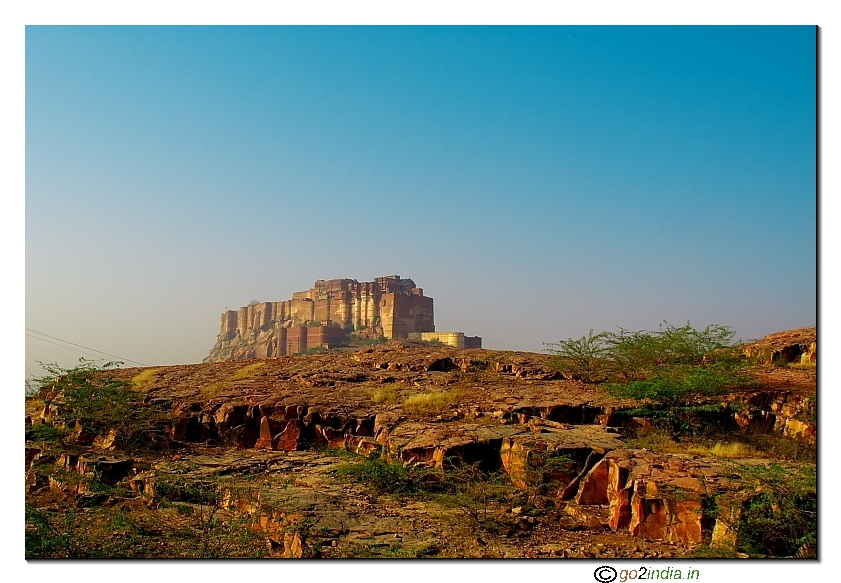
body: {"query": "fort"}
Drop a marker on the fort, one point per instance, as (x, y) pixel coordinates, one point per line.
(389, 307)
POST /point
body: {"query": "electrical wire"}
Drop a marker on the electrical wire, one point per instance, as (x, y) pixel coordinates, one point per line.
(50, 351)
(79, 345)
(63, 346)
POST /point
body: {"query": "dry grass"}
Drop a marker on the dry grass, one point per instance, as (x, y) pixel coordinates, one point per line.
(245, 372)
(387, 395)
(248, 370)
(733, 450)
(660, 443)
(431, 403)
(145, 378)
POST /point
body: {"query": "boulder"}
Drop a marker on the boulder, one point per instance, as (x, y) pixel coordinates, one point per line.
(290, 439)
(81, 435)
(265, 441)
(528, 456)
(107, 441)
(108, 470)
(653, 496)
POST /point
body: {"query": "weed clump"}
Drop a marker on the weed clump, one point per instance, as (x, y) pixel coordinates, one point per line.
(145, 378)
(386, 395)
(431, 403)
(732, 450)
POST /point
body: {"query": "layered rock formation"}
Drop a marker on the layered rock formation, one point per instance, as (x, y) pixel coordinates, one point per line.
(799, 345)
(511, 413)
(389, 306)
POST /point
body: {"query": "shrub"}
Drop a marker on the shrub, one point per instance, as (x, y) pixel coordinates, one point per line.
(585, 358)
(781, 520)
(675, 385)
(668, 354)
(88, 395)
(476, 494)
(676, 369)
(46, 433)
(385, 477)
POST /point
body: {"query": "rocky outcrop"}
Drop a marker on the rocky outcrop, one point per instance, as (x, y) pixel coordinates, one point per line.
(790, 414)
(798, 345)
(654, 496)
(559, 440)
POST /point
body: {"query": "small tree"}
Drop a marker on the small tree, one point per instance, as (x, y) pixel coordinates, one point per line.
(674, 368)
(88, 395)
(584, 358)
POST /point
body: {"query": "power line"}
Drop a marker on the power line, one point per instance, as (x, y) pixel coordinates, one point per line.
(85, 347)
(50, 351)
(62, 346)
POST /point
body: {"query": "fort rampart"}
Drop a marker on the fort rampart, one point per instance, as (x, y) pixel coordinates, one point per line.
(388, 306)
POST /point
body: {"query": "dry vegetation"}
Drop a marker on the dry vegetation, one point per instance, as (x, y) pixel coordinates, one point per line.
(243, 373)
(432, 403)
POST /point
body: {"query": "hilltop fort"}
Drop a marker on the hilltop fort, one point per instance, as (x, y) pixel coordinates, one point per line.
(388, 307)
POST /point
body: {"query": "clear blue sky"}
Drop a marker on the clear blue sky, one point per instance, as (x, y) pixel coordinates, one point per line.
(535, 181)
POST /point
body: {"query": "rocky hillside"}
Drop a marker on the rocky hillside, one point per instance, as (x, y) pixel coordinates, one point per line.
(799, 345)
(561, 467)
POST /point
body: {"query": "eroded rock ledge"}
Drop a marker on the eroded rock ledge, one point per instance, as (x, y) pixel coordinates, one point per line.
(512, 409)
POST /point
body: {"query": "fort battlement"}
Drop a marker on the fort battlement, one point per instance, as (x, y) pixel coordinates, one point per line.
(389, 306)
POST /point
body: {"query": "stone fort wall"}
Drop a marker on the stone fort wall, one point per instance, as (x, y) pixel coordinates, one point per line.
(388, 306)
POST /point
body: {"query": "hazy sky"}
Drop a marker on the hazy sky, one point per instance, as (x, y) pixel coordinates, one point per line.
(535, 181)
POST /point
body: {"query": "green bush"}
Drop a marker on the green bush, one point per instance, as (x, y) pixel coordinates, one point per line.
(675, 385)
(88, 395)
(386, 477)
(676, 369)
(781, 519)
(626, 356)
(45, 433)
(586, 358)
